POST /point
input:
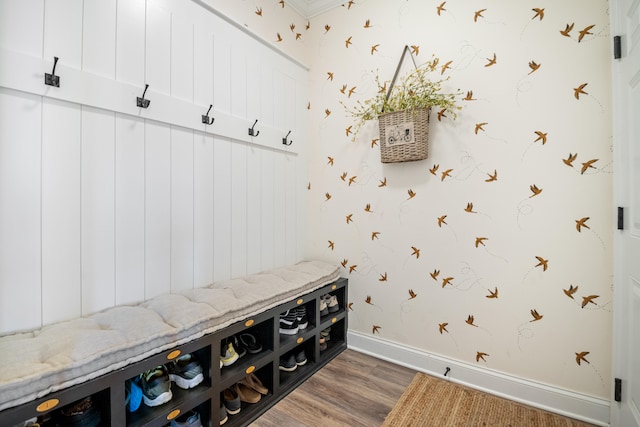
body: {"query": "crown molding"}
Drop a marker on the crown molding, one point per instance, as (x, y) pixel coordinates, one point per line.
(310, 8)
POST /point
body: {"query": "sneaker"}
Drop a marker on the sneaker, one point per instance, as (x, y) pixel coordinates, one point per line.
(301, 358)
(326, 334)
(82, 413)
(228, 354)
(332, 303)
(301, 317)
(189, 419)
(288, 363)
(185, 371)
(323, 344)
(288, 323)
(223, 415)
(133, 394)
(231, 401)
(324, 310)
(156, 386)
(250, 342)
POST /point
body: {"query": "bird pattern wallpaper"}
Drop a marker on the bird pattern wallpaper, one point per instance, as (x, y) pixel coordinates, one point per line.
(495, 251)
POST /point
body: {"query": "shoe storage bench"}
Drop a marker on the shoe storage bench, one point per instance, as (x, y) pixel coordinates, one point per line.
(322, 340)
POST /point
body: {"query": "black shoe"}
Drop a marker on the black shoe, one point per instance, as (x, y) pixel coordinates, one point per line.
(288, 363)
(83, 413)
(301, 317)
(288, 323)
(250, 342)
(301, 358)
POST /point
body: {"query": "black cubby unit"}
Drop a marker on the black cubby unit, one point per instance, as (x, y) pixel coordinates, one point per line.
(108, 391)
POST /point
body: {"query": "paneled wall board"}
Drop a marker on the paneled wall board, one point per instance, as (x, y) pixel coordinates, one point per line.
(222, 72)
(182, 51)
(281, 216)
(254, 208)
(158, 49)
(222, 208)
(202, 66)
(267, 212)
(203, 209)
(21, 26)
(99, 37)
(63, 31)
(130, 42)
(239, 154)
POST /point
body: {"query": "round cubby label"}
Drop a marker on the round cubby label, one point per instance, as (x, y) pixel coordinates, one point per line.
(250, 369)
(173, 354)
(173, 414)
(299, 340)
(47, 404)
(334, 287)
(248, 323)
(300, 301)
(334, 320)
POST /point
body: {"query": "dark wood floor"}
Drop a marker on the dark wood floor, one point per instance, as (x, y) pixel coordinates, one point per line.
(352, 390)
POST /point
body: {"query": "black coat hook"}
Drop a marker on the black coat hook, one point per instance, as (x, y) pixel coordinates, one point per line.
(252, 131)
(205, 117)
(52, 79)
(141, 102)
(284, 140)
(446, 371)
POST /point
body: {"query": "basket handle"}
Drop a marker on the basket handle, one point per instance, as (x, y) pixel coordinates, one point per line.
(395, 76)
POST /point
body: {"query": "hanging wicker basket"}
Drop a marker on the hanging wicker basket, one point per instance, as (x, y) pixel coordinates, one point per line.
(404, 135)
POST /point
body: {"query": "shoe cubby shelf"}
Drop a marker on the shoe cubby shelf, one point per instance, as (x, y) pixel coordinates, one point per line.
(280, 353)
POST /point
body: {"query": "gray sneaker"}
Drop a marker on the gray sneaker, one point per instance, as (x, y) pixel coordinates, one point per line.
(190, 419)
(156, 386)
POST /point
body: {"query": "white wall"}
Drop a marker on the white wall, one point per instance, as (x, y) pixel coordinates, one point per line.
(105, 203)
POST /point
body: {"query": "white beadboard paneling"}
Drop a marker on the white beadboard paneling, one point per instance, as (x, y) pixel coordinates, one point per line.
(291, 195)
(21, 26)
(267, 220)
(254, 209)
(253, 82)
(129, 209)
(181, 209)
(158, 49)
(98, 209)
(99, 37)
(222, 72)
(279, 120)
(280, 211)
(238, 210)
(182, 50)
(20, 189)
(239, 81)
(63, 32)
(203, 66)
(61, 144)
(203, 203)
(267, 94)
(157, 209)
(222, 208)
(130, 37)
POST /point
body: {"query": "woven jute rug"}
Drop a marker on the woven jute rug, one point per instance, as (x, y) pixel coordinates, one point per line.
(430, 401)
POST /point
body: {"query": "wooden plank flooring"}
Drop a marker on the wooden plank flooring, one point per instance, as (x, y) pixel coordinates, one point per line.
(352, 390)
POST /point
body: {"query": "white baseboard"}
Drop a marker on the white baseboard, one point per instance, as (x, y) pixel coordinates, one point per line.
(575, 405)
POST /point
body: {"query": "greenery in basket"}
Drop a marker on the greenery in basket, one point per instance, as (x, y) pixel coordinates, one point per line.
(414, 91)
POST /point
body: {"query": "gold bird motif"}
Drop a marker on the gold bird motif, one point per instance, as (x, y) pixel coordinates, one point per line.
(441, 8)
(415, 49)
(441, 220)
(478, 14)
(347, 131)
(577, 91)
(493, 177)
(492, 61)
(309, 186)
(374, 142)
(376, 329)
(343, 176)
(374, 234)
(446, 67)
(569, 292)
(344, 263)
(415, 252)
(480, 241)
(534, 66)
(368, 300)
(351, 92)
(298, 36)
(327, 27)
(347, 42)
(539, 13)
(535, 190)
(434, 274)
(585, 32)
(383, 183)
(352, 180)
(588, 164)
(411, 194)
(480, 127)
(480, 355)
(383, 277)
(327, 196)
(441, 114)
(446, 281)
(350, 306)
(330, 162)
(383, 88)
(434, 169)
(330, 75)
(374, 48)
(367, 23)
(308, 25)
(352, 268)
(434, 64)
(469, 208)
(542, 136)
(412, 294)
(331, 244)
(589, 300)
(536, 316)
(567, 30)
(445, 174)
(470, 320)
(351, 3)
(281, 3)
(327, 113)
(367, 208)
(493, 294)
(569, 160)
(308, 105)
(581, 357)
(581, 223)
(292, 27)
(544, 263)
(469, 96)
(348, 218)
(442, 327)
(278, 37)
(258, 11)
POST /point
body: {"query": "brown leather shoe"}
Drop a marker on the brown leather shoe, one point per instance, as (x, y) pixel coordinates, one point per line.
(254, 382)
(247, 394)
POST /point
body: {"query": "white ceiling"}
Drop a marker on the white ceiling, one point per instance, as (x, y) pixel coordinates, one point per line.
(311, 8)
